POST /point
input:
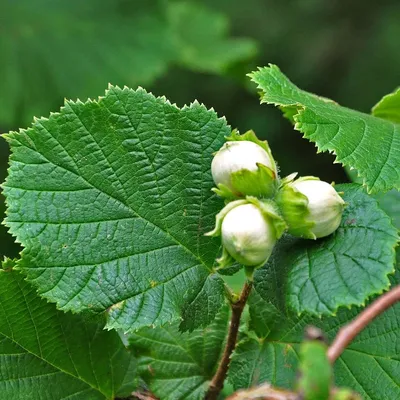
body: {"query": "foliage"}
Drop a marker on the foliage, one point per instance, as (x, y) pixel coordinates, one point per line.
(111, 202)
(343, 269)
(347, 133)
(71, 356)
(111, 199)
(179, 365)
(101, 42)
(273, 357)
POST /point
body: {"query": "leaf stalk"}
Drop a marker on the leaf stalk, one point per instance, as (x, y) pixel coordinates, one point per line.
(217, 382)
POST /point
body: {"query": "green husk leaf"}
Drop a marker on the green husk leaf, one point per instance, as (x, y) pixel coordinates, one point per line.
(294, 208)
(270, 211)
(260, 183)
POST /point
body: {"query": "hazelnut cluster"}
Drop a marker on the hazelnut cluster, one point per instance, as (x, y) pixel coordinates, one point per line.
(261, 207)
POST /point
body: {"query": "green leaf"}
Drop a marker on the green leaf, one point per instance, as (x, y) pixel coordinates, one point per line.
(351, 135)
(111, 200)
(257, 361)
(179, 366)
(63, 49)
(46, 354)
(343, 269)
(371, 357)
(389, 107)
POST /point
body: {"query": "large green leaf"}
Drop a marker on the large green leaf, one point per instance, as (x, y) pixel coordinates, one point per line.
(179, 366)
(56, 49)
(370, 365)
(111, 200)
(362, 141)
(342, 269)
(46, 354)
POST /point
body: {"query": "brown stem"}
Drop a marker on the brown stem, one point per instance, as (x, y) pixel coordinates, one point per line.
(347, 333)
(217, 382)
(263, 392)
(143, 396)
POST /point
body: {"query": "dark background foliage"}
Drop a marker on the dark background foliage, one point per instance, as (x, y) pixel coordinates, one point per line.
(348, 51)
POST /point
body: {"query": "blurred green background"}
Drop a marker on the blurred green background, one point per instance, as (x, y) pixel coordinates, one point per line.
(186, 50)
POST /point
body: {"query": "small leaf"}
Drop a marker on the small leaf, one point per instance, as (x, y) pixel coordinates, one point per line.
(257, 361)
(351, 135)
(48, 354)
(111, 200)
(372, 357)
(389, 107)
(179, 366)
(343, 269)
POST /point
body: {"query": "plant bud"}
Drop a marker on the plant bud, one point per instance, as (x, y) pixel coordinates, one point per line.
(244, 168)
(248, 235)
(312, 208)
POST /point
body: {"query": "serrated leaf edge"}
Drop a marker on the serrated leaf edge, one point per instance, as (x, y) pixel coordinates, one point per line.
(300, 110)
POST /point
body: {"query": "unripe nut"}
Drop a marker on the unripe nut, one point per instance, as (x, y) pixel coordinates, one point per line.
(247, 235)
(325, 206)
(236, 156)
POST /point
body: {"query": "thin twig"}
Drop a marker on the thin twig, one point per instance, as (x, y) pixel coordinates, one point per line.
(144, 395)
(263, 392)
(217, 382)
(347, 333)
